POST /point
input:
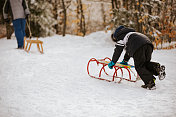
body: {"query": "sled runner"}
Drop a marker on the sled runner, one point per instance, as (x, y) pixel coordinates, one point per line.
(112, 75)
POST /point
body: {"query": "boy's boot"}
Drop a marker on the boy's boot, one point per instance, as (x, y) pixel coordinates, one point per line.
(156, 69)
(160, 69)
(150, 85)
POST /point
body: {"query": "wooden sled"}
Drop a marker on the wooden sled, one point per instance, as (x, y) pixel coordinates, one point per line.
(118, 69)
(29, 42)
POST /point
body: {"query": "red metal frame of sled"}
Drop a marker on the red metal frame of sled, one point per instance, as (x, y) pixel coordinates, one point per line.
(116, 67)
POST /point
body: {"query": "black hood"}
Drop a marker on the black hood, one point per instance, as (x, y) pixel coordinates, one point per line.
(122, 33)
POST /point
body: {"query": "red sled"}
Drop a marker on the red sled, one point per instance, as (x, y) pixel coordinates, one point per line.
(117, 74)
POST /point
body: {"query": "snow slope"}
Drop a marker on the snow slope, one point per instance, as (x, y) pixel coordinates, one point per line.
(56, 83)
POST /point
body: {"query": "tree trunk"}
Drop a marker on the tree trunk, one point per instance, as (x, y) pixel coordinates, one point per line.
(81, 18)
(55, 5)
(103, 15)
(9, 30)
(77, 15)
(83, 24)
(64, 18)
(113, 8)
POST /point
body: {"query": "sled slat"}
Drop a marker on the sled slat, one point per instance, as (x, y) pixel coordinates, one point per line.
(117, 64)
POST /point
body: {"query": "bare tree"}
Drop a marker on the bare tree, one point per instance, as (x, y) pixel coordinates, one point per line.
(64, 17)
(55, 13)
(103, 15)
(9, 28)
(80, 16)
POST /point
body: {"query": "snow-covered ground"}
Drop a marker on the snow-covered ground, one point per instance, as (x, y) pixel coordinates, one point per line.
(56, 83)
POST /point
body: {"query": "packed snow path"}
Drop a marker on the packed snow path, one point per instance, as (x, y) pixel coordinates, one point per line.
(56, 83)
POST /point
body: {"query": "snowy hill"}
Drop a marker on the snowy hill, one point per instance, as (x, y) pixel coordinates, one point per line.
(56, 83)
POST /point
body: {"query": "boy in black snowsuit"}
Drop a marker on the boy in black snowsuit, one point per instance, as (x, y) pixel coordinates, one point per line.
(140, 48)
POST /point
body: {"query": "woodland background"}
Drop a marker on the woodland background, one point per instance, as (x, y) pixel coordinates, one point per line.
(155, 18)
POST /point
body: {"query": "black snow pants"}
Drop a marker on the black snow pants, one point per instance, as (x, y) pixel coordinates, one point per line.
(143, 65)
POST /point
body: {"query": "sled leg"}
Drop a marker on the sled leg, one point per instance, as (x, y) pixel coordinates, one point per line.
(24, 42)
(29, 47)
(41, 48)
(26, 46)
(38, 47)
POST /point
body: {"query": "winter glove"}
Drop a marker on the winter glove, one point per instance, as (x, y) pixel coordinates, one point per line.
(111, 64)
(7, 20)
(27, 16)
(124, 63)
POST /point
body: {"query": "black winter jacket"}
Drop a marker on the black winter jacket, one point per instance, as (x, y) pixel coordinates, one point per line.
(129, 40)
